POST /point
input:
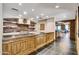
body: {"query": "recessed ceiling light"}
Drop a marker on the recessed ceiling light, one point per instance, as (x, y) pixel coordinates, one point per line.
(47, 16)
(25, 12)
(32, 18)
(20, 4)
(20, 15)
(37, 17)
(42, 14)
(64, 16)
(57, 6)
(33, 9)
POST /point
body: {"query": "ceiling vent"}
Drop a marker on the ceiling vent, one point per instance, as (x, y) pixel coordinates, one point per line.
(14, 9)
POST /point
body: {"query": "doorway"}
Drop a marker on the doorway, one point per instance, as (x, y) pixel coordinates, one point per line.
(62, 28)
(66, 26)
(65, 34)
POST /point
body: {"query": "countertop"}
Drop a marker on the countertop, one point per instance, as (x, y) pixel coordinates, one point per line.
(15, 38)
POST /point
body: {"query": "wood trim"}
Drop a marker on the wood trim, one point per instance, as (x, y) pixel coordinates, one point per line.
(67, 20)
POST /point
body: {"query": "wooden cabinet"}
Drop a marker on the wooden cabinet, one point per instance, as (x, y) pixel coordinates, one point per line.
(13, 48)
(49, 37)
(40, 41)
(26, 45)
(30, 44)
(21, 46)
(6, 48)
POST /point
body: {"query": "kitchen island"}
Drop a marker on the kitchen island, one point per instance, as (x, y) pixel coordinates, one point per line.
(26, 44)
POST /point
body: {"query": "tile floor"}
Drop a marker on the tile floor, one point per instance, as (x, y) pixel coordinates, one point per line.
(62, 46)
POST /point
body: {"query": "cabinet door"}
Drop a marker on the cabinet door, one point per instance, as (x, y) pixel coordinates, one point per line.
(47, 37)
(50, 37)
(24, 48)
(41, 40)
(5, 49)
(31, 43)
(26, 45)
(22, 45)
(14, 48)
(38, 41)
(10, 48)
(18, 45)
(44, 39)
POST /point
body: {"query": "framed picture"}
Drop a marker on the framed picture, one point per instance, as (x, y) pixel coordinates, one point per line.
(42, 26)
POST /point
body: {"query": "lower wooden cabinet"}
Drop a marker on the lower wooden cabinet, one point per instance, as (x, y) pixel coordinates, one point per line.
(21, 46)
(40, 41)
(14, 48)
(49, 37)
(6, 48)
(26, 45)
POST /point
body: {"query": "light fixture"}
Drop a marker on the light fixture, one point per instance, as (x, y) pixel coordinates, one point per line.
(42, 14)
(33, 9)
(47, 16)
(37, 17)
(20, 15)
(25, 12)
(64, 16)
(32, 18)
(57, 6)
(20, 4)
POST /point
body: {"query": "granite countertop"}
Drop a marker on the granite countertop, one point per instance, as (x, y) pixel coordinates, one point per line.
(17, 36)
(13, 38)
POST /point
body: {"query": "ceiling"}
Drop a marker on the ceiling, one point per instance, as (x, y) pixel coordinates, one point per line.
(64, 12)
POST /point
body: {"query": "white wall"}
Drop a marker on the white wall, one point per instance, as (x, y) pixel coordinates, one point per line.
(50, 26)
(1, 28)
(42, 22)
